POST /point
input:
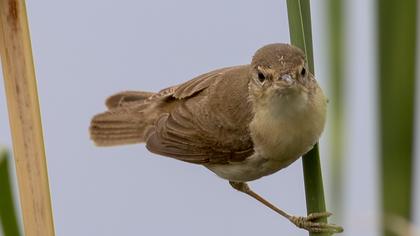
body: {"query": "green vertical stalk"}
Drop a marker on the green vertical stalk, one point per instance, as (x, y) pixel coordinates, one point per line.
(336, 62)
(301, 36)
(396, 51)
(8, 217)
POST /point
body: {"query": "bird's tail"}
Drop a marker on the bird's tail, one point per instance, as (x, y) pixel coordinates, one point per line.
(126, 121)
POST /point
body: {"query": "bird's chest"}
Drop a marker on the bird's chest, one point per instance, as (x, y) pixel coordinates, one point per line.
(279, 139)
(282, 138)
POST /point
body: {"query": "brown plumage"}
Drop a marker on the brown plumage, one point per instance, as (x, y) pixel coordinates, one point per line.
(219, 119)
(242, 122)
(178, 122)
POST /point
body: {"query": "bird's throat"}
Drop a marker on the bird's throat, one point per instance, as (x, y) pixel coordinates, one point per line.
(287, 127)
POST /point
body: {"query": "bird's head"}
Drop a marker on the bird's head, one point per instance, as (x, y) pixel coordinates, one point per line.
(279, 73)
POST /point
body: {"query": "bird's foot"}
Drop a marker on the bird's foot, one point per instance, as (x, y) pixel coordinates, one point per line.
(309, 223)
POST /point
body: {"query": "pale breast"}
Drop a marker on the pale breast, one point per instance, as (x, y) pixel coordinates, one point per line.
(280, 137)
(288, 130)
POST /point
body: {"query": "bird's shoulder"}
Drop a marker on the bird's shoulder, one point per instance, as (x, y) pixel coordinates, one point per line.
(201, 82)
(209, 119)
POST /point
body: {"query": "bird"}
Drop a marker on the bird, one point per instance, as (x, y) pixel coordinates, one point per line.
(242, 122)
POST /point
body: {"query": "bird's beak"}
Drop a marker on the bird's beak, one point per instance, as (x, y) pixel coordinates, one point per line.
(287, 79)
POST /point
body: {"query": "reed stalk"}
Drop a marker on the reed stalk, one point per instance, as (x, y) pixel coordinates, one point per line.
(336, 65)
(396, 83)
(299, 15)
(25, 119)
(8, 217)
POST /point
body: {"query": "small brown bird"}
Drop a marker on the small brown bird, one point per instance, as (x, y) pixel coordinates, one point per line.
(242, 122)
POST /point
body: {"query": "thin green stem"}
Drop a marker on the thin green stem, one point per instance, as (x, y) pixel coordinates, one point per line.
(336, 62)
(8, 217)
(301, 36)
(396, 51)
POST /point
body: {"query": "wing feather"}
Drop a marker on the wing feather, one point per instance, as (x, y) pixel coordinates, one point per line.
(202, 128)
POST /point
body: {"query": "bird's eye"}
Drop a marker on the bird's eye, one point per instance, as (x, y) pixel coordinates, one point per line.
(303, 72)
(261, 77)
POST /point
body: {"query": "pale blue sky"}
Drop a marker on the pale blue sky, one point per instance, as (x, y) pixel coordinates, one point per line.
(87, 50)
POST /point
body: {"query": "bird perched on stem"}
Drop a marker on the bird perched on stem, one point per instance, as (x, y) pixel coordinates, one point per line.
(242, 122)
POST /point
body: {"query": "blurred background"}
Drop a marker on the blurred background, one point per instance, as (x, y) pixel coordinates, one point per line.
(85, 51)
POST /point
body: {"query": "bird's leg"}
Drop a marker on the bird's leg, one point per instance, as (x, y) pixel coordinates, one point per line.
(309, 222)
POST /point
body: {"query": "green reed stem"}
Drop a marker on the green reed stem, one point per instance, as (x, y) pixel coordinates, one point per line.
(301, 36)
(8, 217)
(396, 54)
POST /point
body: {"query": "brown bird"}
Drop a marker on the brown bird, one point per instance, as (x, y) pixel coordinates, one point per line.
(242, 122)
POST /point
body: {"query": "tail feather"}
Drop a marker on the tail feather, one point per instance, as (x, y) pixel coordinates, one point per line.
(120, 125)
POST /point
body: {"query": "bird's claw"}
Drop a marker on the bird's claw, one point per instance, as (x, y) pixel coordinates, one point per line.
(309, 223)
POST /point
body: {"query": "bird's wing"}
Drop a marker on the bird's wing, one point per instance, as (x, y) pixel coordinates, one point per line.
(193, 86)
(205, 126)
(127, 97)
